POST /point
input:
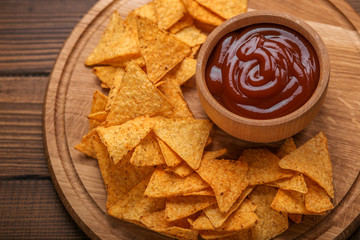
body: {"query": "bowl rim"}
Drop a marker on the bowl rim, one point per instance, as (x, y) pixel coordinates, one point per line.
(258, 17)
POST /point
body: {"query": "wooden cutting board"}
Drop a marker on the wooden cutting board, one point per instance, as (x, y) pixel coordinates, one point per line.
(69, 96)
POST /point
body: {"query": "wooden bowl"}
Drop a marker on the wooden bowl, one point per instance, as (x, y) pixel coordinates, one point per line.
(268, 130)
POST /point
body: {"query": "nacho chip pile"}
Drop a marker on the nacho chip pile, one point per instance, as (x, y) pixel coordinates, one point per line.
(152, 153)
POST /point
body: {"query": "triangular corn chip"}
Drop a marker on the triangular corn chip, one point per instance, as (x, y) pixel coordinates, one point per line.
(121, 139)
(191, 35)
(165, 184)
(187, 137)
(316, 199)
(161, 51)
(147, 11)
(116, 43)
(86, 145)
(184, 206)
(183, 169)
(313, 160)
(263, 166)
(286, 148)
(227, 178)
(295, 183)
(225, 8)
(148, 152)
(205, 192)
(168, 12)
(217, 218)
(171, 157)
(99, 103)
(296, 218)
(270, 223)
(185, 21)
(184, 71)
(137, 96)
(107, 74)
(134, 205)
(202, 14)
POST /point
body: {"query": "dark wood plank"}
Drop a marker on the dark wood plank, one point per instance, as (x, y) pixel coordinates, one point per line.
(33, 32)
(30, 209)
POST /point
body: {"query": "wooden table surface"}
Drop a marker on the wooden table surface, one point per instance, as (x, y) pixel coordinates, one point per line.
(31, 36)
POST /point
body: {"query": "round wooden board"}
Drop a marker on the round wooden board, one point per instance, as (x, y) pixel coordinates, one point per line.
(69, 96)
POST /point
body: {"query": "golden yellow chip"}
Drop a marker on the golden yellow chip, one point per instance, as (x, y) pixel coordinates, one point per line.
(288, 201)
(134, 205)
(191, 35)
(217, 218)
(168, 12)
(263, 166)
(98, 116)
(117, 42)
(86, 144)
(180, 233)
(148, 152)
(270, 223)
(171, 158)
(218, 174)
(99, 103)
(104, 161)
(183, 169)
(316, 199)
(186, 137)
(313, 160)
(286, 148)
(202, 14)
(244, 217)
(244, 234)
(184, 71)
(124, 177)
(147, 11)
(295, 183)
(107, 74)
(137, 96)
(161, 51)
(185, 21)
(214, 154)
(121, 139)
(225, 8)
(114, 91)
(173, 93)
(165, 184)
(184, 206)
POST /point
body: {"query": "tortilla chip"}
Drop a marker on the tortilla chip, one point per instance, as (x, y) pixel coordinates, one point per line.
(86, 145)
(270, 223)
(205, 192)
(170, 157)
(107, 74)
(227, 178)
(234, 235)
(316, 199)
(263, 166)
(180, 233)
(161, 51)
(313, 160)
(121, 139)
(295, 183)
(165, 184)
(296, 218)
(244, 217)
(184, 206)
(147, 11)
(286, 148)
(137, 96)
(168, 12)
(191, 35)
(183, 169)
(98, 116)
(202, 14)
(186, 137)
(288, 201)
(99, 103)
(217, 218)
(173, 93)
(225, 8)
(117, 42)
(134, 205)
(184, 71)
(124, 177)
(148, 152)
(185, 21)
(104, 161)
(214, 154)
(194, 51)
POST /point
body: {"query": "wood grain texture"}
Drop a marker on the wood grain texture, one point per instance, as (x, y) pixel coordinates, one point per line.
(77, 178)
